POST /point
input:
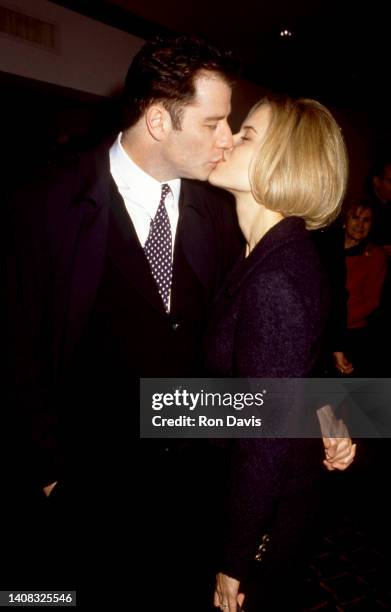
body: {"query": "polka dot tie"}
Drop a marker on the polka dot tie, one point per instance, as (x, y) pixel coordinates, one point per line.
(158, 249)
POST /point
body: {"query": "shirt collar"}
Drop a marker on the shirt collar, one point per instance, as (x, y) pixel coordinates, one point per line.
(141, 186)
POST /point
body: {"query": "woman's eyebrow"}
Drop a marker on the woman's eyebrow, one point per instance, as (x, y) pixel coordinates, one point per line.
(249, 127)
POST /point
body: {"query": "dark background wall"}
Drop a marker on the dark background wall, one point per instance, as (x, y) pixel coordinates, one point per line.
(64, 98)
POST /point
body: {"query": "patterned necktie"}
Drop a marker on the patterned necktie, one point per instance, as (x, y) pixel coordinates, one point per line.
(158, 249)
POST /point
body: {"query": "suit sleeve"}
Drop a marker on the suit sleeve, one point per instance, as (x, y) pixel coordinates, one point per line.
(33, 417)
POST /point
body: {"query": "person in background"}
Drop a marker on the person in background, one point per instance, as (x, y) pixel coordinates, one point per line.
(366, 265)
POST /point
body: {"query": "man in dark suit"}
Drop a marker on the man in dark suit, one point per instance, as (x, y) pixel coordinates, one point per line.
(90, 315)
(99, 300)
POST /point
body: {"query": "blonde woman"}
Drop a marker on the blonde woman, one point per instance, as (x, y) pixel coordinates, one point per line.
(288, 172)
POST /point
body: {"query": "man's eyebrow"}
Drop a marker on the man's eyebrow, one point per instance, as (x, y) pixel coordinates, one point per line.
(217, 118)
(249, 127)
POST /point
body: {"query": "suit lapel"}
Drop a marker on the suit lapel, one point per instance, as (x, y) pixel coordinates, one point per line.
(126, 252)
(194, 235)
(195, 232)
(288, 230)
(82, 253)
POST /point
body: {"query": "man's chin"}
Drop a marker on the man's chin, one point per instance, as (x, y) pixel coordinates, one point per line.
(204, 175)
(212, 178)
(199, 176)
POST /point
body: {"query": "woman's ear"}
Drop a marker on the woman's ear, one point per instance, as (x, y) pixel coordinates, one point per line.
(158, 121)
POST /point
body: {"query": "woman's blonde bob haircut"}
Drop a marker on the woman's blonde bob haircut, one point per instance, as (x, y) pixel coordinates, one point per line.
(301, 166)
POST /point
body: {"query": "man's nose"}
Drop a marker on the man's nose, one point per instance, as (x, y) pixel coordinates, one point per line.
(225, 140)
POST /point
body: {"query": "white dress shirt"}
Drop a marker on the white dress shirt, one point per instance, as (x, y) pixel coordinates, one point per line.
(141, 192)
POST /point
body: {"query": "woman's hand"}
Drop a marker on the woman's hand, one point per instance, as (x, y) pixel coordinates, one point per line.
(340, 453)
(227, 596)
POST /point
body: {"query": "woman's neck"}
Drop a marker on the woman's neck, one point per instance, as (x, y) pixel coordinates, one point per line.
(254, 219)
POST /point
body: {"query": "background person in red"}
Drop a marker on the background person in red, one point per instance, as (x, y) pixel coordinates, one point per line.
(366, 265)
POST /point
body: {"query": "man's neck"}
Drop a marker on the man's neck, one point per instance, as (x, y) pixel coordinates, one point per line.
(145, 156)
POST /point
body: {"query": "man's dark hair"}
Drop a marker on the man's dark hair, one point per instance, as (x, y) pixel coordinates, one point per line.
(379, 167)
(164, 70)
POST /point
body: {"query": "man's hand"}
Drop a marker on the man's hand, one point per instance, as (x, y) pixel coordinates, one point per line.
(227, 596)
(342, 364)
(49, 488)
(340, 453)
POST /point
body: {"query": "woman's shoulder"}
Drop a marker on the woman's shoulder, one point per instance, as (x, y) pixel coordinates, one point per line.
(290, 261)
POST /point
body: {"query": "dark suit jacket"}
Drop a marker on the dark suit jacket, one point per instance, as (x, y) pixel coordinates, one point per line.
(267, 322)
(59, 245)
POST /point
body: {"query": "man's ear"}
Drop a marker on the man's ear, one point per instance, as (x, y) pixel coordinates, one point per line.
(158, 121)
